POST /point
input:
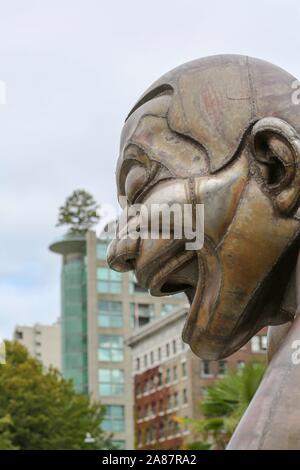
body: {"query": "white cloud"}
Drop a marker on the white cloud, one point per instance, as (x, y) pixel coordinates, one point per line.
(26, 306)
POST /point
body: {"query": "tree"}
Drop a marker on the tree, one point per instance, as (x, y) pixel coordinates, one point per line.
(5, 434)
(223, 405)
(80, 212)
(41, 410)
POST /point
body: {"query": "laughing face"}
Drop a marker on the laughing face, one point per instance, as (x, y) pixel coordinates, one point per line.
(201, 136)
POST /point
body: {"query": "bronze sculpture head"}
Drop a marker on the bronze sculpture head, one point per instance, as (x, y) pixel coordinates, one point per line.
(222, 131)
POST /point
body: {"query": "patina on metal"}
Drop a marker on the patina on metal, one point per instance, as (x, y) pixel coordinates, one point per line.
(222, 131)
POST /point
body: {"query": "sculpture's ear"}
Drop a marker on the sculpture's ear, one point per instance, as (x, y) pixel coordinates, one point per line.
(276, 146)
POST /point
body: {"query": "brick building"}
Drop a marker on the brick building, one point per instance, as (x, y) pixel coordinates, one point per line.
(169, 379)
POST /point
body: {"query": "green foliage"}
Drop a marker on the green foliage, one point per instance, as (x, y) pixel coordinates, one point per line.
(198, 446)
(80, 212)
(5, 434)
(41, 410)
(223, 405)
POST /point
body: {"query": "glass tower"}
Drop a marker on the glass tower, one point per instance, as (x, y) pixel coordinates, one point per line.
(74, 322)
(100, 308)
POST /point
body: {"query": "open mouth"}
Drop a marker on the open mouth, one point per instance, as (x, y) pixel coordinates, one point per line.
(179, 274)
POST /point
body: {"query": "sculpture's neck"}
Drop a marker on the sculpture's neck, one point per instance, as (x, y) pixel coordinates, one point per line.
(272, 419)
(290, 303)
(291, 296)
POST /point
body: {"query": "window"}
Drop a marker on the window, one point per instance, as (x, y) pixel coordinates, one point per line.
(151, 357)
(110, 314)
(159, 354)
(255, 344)
(159, 381)
(168, 376)
(175, 373)
(161, 430)
(206, 369)
(161, 405)
(101, 250)
(111, 382)
(134, 287)
(153, 408)
(258, 344)
(75, 361)
(174, 346)
(111, 348)
(114, 419)
(145, 360)
(183, 369)
(19, 334)
(151, 383)
(108, 281)
(166, 309)
(264, 342)
(137, 364)
(169, 403)
(167, 349)
(149, 435)
(184, 396)
(240, 365)
(222, 367)
(175, 399)
(148, 385)
(169, 427)
(176, 427)
(141, 314)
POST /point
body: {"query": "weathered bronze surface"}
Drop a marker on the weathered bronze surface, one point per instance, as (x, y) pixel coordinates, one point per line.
(221, 131)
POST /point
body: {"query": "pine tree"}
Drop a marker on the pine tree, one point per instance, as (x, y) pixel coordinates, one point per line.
(80, 212)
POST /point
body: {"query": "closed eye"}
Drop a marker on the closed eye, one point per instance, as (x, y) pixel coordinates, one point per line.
(135, 182)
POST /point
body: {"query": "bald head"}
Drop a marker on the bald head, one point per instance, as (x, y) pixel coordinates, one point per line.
(221, 131)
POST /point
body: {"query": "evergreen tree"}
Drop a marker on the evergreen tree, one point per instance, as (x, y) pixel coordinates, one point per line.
(80, 212)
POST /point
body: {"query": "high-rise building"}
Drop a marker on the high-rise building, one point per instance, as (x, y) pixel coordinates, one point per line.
(169, 379)
(99, 309)
(42, 342)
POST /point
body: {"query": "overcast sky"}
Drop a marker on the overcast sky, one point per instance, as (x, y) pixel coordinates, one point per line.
(73, 69)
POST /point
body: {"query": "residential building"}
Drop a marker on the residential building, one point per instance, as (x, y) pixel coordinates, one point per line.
(42, 342)
(169, 379)
(100, 308)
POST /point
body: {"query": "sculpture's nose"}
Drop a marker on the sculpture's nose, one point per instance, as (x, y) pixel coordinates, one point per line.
(123, 250)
